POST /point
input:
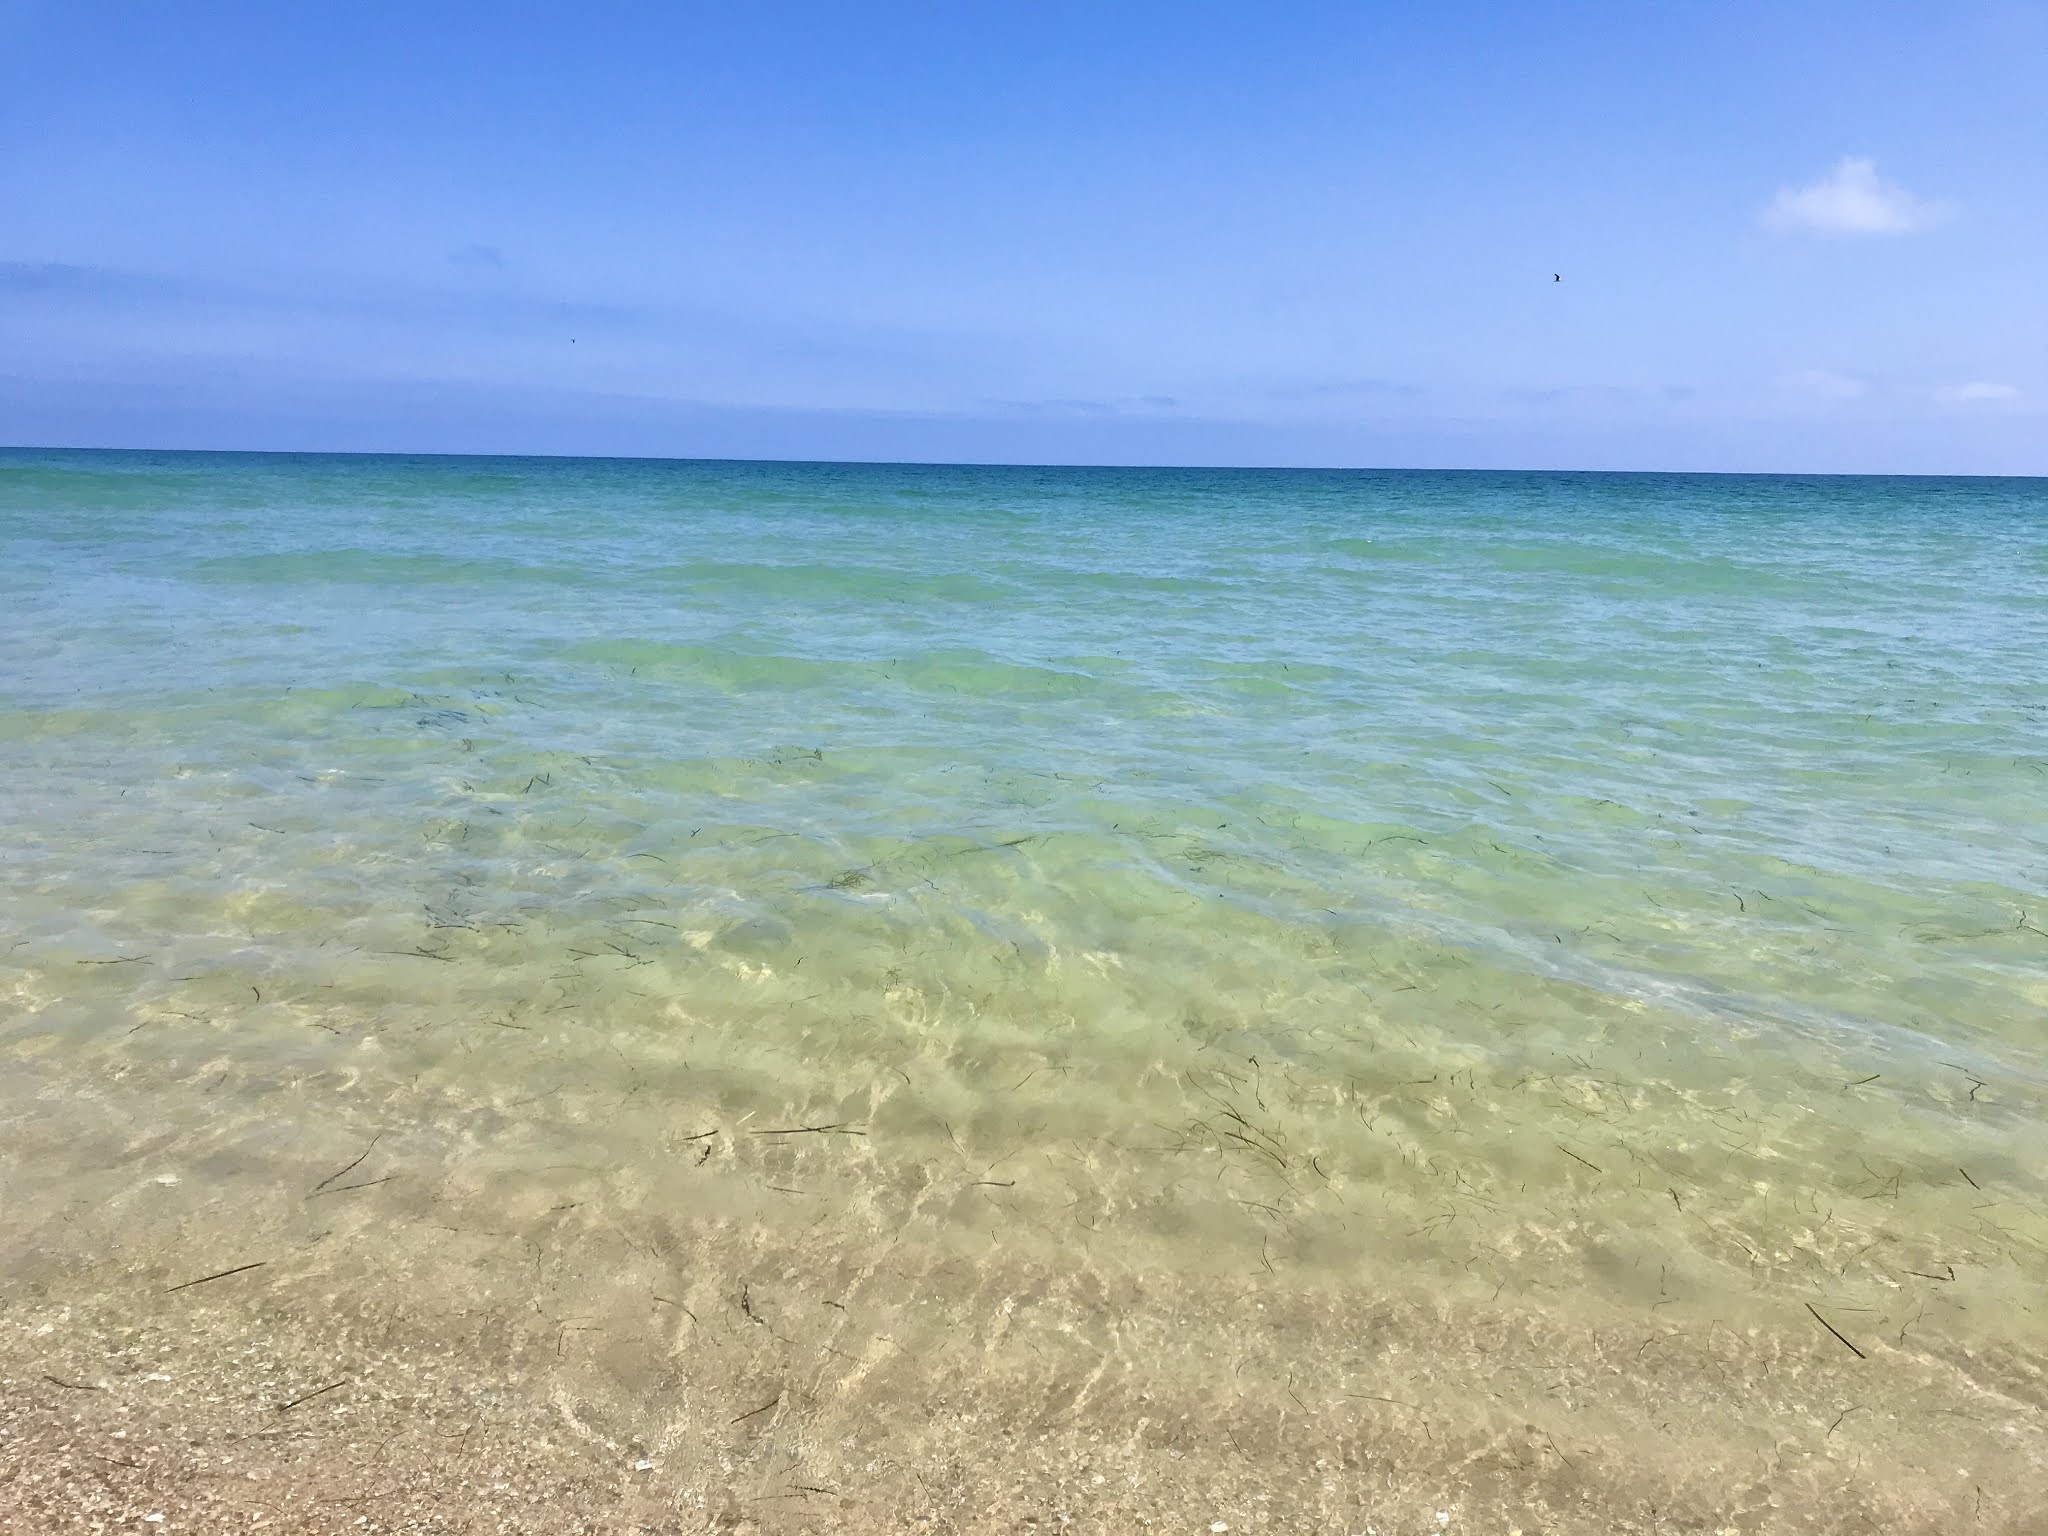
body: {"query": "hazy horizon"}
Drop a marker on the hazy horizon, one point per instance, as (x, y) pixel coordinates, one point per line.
(995, 464)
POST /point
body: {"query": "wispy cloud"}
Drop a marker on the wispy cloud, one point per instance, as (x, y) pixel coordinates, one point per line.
(44, 277)
(1823, 384)
(1136, 404)
(1977, 391)
(1852, 199)
(1327, 389)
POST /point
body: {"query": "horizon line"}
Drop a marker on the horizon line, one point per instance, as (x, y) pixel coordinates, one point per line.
(1329, 469)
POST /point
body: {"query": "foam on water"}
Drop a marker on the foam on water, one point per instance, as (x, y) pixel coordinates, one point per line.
(1619, 899)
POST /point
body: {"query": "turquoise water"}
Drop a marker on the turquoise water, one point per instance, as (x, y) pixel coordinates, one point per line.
(1571, 884)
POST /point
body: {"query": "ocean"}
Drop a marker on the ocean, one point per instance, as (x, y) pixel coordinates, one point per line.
(1540, 979)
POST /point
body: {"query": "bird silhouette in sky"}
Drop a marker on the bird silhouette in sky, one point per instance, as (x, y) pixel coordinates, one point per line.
(1556, 277)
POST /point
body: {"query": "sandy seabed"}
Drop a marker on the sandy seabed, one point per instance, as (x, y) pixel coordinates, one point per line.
(569, 1372)
(181, 1423)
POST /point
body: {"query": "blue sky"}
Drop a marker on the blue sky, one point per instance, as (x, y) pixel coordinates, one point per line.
(1792, 236)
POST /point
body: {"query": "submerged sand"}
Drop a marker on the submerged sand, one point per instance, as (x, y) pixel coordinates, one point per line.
(319, 1324)
(762, 1422)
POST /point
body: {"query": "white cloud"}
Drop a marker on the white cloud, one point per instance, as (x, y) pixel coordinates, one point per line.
(1852, 199)
(1976, 390)
(1820, 384)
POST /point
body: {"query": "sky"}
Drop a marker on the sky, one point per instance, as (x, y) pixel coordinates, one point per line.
(1692, 236)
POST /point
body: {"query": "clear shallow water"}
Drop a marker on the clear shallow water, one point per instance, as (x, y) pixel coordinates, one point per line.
(1611, 893)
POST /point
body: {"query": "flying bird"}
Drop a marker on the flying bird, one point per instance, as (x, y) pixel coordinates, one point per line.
(1556, 277)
